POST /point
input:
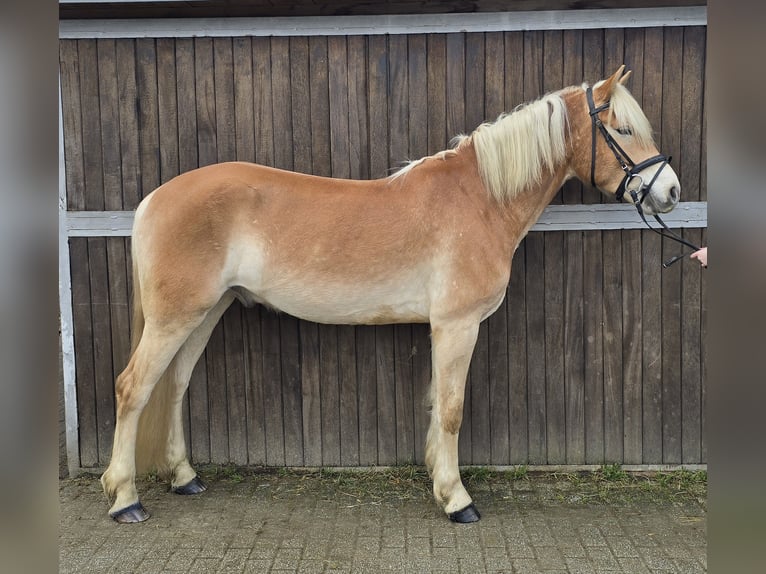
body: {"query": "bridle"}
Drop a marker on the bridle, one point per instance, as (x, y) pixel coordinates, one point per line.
(632, 173)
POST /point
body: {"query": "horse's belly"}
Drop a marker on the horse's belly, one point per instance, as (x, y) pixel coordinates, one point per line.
(345, 305)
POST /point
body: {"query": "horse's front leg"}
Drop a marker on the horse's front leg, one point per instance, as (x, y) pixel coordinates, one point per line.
(452, 345)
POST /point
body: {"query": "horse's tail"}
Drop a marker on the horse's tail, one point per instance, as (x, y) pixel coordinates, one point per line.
(154, 423)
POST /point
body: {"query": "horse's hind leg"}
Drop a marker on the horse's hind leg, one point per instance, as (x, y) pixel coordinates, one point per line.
(158, 346)
(452, 347)
(184, 479)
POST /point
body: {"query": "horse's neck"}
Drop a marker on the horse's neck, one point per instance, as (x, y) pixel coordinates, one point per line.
(523, 210)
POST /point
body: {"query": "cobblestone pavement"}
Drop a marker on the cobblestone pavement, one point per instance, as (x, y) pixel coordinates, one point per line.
(301, 523)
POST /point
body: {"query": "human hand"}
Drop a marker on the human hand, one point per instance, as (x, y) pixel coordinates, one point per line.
(700, 256)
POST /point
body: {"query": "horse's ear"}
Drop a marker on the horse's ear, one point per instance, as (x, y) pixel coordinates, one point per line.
(603, 90)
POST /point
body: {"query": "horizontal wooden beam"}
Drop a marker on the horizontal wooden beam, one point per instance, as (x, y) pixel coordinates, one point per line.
(385, 24)
(690, 214)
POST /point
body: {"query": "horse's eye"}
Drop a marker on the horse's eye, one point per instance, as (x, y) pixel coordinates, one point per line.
(625, 130)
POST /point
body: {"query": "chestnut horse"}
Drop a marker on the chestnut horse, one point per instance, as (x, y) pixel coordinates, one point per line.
(432, 243)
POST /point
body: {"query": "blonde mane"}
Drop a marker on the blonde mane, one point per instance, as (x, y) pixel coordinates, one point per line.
(514, 150)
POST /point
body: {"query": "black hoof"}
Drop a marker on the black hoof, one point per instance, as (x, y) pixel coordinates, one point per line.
(133, 513)
(468, 514)
(194, 486)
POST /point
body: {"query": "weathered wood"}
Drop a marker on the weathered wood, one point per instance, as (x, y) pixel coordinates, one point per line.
(517, 351)
(650, 279)
(477, 389)
(671, 277)
(234, 385)
(578, 365)
(254, 391)
(632, 348)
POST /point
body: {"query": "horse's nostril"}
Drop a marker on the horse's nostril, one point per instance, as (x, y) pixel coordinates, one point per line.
(674, 194)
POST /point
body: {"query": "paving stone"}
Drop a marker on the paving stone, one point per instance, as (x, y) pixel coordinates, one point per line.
(246, 528)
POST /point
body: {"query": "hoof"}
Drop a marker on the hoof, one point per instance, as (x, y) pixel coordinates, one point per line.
(468, 514)
(194, 486)
(133, 513)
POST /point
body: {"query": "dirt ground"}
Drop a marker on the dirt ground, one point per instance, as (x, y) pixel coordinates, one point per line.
(357, 522)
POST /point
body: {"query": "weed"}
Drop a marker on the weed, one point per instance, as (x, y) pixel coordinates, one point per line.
(520, 472)
(613, 473)
(475, 474)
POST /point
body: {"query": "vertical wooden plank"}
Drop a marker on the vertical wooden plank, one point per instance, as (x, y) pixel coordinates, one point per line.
(455, 89)
(251, 397)
(84, 367)
(477, 387)
(383, 335)
(283, 158)
(205, 89)
(187, 105)
(612, 331)
(359, 143)
(331, 129)
(188, 158)
(632, 348)
(350, 386)
(242, 57)
(593, 71)
(399, 126)
(516, 294)
(572, 75)
(436, 135)
(497, 324)
(455, 85)
(167, 108)
(593, 346)
(517, 349)
(78, 252)
(671, 277)
(207, 141)
(651, 268)
(553, 280)
(148, 114)
(262, 111)
(614, 49)
(168, 121)
(97, 264)
(573, 365)
(244, 104)
(308, 333)
(254, 392)
(390, 66)
(535, 280)
(243, 413)
(125, 55)
(320, 106)
(116, 268)
(300, 92)
(271, 370)
(223, 79)
(418, 353)
(437, 93)
(691, 304)
(69, 66)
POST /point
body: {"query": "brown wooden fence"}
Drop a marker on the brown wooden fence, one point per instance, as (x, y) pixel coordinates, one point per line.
(597, 354)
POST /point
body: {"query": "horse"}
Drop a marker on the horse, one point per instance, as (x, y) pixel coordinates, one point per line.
(431, 243)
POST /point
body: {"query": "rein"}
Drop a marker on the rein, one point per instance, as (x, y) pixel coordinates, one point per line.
(632, 172)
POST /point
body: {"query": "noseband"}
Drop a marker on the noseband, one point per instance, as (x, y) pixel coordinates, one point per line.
(632, 172)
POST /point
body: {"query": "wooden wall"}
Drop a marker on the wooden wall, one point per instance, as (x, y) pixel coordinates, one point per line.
(597, 354)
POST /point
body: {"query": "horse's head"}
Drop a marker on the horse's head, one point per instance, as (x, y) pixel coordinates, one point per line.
(616, 151)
